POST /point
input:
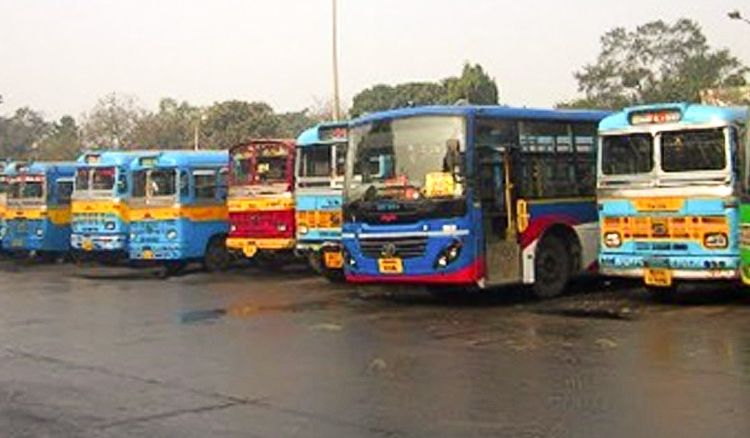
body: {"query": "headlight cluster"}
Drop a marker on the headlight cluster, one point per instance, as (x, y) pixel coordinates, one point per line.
(281, 227)
(110, 226)
(612, 240)
(448, 255)
(39, 232)
(302, 229)
(715, 240)
(172, 234)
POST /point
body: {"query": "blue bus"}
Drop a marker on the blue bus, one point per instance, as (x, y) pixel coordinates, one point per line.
(100, 217)
(320, 168)
(38, 211)
(5, 172)
(178, 209)
(672, 181)
(471, 196)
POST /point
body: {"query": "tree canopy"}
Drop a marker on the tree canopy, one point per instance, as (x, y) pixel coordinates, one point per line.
(655, 62)
(473, 86)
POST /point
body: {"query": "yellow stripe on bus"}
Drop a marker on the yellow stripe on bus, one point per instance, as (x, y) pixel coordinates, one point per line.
(102, 206)
(196, 213)
(238, 205)
(56, 215)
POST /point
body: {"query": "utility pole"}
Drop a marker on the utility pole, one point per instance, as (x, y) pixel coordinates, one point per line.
(336, 99)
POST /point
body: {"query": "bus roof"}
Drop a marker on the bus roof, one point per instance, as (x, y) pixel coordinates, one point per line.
(289, 143)
(495, 111)
(181, 158)
(690, 113)
(36, 167)
(110, 158)
(311, 136)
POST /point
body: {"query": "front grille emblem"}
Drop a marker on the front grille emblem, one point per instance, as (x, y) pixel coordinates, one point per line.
(388, 250)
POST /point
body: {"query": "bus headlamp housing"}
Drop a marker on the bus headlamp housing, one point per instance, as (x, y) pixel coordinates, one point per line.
(172, 234)
(302, 229)
(39, 233)
(715, 240)
(448, 255)
(109, 226)
(612, 239)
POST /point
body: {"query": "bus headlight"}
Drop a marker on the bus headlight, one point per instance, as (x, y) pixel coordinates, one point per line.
(281, 227)
(715, 240)
(172, 234)
(233, 228)
(302, 229)
(612, 240)
(448, 255)
(109, 226)
(39, 232)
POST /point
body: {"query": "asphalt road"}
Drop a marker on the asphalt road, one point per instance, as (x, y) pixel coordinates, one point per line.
(118, 353)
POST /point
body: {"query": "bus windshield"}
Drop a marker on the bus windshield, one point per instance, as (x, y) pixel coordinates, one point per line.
(627, 154)
(96, 179)
(694, 150)
(260, 164)
(315, 161)
(31, 189)
(412, 158)
(154, 183)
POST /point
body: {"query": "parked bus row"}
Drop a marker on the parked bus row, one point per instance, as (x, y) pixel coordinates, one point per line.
(451, 197)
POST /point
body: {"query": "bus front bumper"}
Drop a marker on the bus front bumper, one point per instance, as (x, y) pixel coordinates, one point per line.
(679, 267)
(466, 276)
(98, 242)
(250, 246)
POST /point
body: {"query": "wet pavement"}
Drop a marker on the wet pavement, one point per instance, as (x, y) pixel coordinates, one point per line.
(112, 353)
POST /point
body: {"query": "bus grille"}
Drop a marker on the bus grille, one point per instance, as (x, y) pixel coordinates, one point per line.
(404, 247)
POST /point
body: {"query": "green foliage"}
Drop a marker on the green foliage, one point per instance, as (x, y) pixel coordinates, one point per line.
(112, 123)
(234, 121)
(62, 141)
(473, 86)
(656, 62)
(171, 127)
(21, 133)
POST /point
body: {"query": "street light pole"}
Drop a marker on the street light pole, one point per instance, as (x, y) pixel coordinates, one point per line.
(336, 99)
(736, 15)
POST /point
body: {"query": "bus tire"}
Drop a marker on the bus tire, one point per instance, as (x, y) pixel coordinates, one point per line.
(552, 266)
(172, 267)
(217, 258)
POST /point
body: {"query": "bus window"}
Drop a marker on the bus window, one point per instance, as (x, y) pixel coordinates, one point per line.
(205, 184)
(63, 191)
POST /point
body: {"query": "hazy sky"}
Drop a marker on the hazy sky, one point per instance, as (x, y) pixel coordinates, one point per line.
(59, 56)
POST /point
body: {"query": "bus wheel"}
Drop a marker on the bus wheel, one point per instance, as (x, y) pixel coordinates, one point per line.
(551, 267)
(172, 267)
(217, 256)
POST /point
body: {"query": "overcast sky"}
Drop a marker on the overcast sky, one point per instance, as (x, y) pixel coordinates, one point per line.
(59, 56)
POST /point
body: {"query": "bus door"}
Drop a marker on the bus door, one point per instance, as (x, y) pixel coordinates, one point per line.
(496, 195)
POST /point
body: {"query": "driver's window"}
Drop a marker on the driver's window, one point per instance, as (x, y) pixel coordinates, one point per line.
(63, 192)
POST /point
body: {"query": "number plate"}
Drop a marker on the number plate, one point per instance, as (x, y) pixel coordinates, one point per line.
(16, 243)
(658, 277)
(333, 260)
(87, 245)
(148, 255)
(392, 265)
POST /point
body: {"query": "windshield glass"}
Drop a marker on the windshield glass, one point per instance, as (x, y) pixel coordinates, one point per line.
(627, 154)
(407, 159)
(154, 183)
(686, 151)
(270, 169)
(30, 189)
(315, 161)
(103, 178)
(260, 164)
(82, 179)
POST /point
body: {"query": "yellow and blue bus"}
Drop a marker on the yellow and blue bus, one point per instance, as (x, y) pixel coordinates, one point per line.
(5, 172)
(38, 211)
(671, 180)
(100, 220)
(471, 196)
(178, 210)
(319, 179)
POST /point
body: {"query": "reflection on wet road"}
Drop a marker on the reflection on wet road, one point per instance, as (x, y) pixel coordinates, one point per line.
(248, 353)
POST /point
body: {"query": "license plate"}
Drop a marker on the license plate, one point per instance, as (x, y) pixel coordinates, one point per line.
(391, 266)
(16, 243)
(658, 277)
(88, 245)
(148, 255)
(333, 260)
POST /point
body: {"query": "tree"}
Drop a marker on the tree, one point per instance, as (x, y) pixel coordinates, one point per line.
(171, 127)
(112, 122)
(233, 122)
(656, 62)
(20, 134)
(62, 142)
(473, 86)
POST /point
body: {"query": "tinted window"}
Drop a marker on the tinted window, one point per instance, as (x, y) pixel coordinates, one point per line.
(685, 151)
(627, 154)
